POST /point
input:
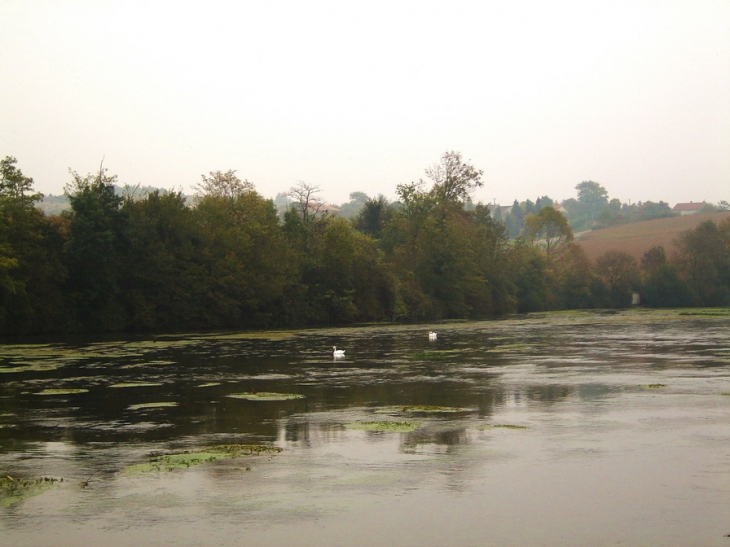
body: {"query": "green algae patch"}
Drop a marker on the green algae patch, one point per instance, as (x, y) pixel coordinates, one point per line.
(135, 384)
(408, 409)
(712, 312)
(31, 366)
(61, 391)
(398, 427)
(236, 450)
(654, 386)
(266, 396)
(184, 460)
(209, 384)
(152, 405)
(14, 490)
(146, 364)
(168, 462)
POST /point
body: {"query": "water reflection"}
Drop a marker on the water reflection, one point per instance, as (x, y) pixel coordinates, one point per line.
(564, 392)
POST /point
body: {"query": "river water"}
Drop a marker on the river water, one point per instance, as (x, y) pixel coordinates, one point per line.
(581, 429)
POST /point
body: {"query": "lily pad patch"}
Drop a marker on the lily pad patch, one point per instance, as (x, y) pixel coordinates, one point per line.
(135, 384)
(61, 391)
(152, 405)
(13, 490)
(184, 460)
(266, 396)
(654, 386)
(34, 366)
(420, 409)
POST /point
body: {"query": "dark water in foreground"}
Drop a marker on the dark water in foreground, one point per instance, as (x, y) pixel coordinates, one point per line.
(618, 434)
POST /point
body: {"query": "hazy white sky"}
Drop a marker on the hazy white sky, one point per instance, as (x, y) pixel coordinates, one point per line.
(361, 96)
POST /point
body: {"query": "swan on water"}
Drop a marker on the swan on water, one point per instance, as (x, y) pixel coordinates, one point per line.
(432, 335)
(338, 352)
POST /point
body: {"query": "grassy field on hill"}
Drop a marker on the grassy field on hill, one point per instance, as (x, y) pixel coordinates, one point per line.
(638, 237)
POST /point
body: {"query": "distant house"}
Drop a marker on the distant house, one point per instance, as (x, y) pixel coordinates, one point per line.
(560, 209)
(689, 208)
(501, 210)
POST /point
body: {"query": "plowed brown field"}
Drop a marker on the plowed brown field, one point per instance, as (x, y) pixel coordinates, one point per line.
(639, 237)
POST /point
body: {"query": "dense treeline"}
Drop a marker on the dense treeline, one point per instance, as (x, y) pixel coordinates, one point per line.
(228, 260)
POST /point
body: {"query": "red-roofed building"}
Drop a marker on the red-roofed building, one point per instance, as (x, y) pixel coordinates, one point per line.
(689, 208)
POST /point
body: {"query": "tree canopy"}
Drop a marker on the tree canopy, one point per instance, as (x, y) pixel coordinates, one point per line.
(230, 259)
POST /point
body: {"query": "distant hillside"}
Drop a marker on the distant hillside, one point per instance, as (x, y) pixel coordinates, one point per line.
(639, 237)
(54, 205)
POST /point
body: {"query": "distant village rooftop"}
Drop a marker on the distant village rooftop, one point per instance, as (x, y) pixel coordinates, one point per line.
(689, 208)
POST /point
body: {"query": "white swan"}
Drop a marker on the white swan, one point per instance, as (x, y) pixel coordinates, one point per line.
(338, 352)
(432, 335)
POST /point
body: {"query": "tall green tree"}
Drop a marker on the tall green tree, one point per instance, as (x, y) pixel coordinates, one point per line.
(97, 240)
(592, 196)
(453, 181)
(662, 286)
(247, 261)
(440, 251)
(550, 229)
(163, 276)
(575, 279)
(529, 271)
(374, 216)
(619, 273)
(704, 261)
(31, 299)
(223, 185)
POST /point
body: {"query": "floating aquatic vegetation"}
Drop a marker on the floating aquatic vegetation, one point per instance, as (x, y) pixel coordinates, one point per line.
(266, 396)
(401, 427)
(152, 405)
(718, 312)
(168, 462)
(654, 386)
(13, 490)
(147, 364)
(209, 384)
(133, 365)
(61, 391)
(245, 449)
(419, 408)
(184, 460)
(136, 384)
(30, 366)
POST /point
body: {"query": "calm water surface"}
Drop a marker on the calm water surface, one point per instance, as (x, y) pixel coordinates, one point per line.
(555, 430)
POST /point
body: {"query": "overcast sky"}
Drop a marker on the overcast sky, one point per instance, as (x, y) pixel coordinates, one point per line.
(361, 96)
